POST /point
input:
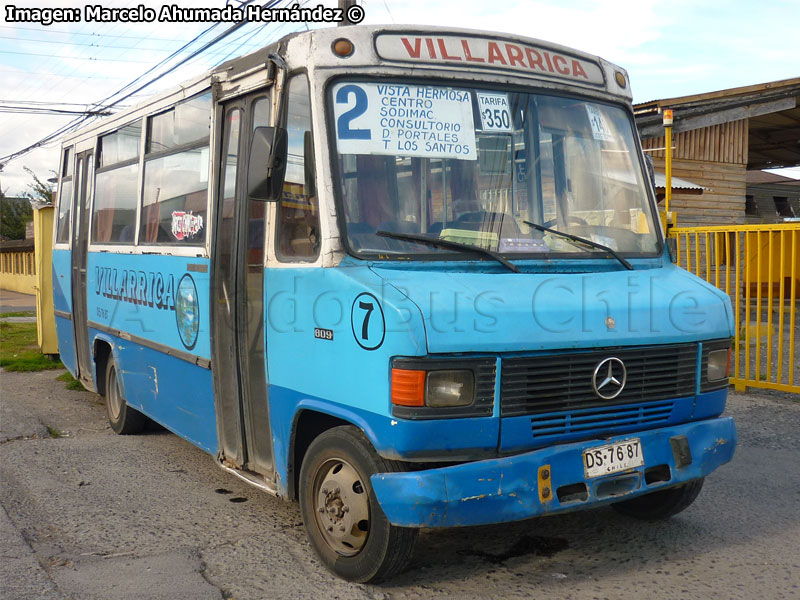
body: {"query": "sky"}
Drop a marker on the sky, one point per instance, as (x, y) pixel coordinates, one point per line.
(669, 48)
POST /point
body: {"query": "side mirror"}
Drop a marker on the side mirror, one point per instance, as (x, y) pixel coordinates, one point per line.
(267, 166)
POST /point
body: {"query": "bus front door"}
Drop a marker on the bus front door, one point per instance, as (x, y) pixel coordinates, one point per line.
(238, 341)
(80, 239)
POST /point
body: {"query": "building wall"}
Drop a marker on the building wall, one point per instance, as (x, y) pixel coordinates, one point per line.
(714, 157)
(764, 210)
(721, 203)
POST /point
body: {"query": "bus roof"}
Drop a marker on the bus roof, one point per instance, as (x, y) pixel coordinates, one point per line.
(425, 50)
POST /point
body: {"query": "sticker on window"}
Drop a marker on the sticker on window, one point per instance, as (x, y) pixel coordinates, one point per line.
(600, 129)
(495, 112)
(405, 120)
(185, 225)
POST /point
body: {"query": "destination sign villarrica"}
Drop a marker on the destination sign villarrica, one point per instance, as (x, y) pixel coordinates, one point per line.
(487, 52)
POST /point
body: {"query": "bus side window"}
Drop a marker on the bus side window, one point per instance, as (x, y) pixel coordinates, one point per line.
(65, 198)
(116, 186)
(298, 211)
(176, 166)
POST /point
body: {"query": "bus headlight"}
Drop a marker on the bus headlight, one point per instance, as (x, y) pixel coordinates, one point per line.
(718, 364)
(450, 388)
(432, 388)
(437, 388)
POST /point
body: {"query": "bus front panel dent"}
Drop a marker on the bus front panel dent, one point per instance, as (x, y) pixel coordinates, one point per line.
(506, 489)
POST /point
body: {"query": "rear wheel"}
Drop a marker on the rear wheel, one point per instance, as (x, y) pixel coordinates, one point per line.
(342, 517)
(124, 420)
(662, 504)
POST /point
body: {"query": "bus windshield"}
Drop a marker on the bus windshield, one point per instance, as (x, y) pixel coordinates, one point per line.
(473, 165)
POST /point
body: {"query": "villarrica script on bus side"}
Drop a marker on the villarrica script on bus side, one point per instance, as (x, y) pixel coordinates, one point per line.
(154, 289)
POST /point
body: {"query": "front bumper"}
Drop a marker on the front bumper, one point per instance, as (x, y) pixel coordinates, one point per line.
(508, 489)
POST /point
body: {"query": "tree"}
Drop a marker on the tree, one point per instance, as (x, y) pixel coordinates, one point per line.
(14, 214)
(39, 190)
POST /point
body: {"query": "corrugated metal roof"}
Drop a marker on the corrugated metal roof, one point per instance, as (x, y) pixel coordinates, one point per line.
(656, 105)
(677, 183)
(759, 177)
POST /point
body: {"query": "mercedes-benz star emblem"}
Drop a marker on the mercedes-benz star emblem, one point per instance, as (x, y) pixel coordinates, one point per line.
(609, 378)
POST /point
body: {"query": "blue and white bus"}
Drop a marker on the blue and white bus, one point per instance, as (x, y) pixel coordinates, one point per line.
(410, 278)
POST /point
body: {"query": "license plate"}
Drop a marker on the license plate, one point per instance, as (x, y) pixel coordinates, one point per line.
(613, 458)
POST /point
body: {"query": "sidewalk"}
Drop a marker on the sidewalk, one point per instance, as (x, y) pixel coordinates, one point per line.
(16, 302)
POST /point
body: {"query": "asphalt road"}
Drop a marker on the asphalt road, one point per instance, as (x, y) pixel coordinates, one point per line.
(91, 515)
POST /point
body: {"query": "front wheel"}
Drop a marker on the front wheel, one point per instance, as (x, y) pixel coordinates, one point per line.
(123, 419)
(342, 517)
(662, 504)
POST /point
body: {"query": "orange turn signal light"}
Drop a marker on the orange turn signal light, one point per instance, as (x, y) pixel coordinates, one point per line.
(408, 387)
(730, 355)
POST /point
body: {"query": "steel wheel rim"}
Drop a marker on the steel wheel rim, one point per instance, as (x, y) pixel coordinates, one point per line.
(341, 506)
(114, 397)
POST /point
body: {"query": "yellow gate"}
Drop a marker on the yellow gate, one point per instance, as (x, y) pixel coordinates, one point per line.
(759, 268)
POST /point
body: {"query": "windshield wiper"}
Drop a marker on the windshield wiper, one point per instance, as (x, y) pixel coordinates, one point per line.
(440, 243)
(580, 240)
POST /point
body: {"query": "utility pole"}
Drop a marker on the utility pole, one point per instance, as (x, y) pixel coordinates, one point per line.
(344, 5)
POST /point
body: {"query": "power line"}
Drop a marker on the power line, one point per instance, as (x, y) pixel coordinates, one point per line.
(237, 48)
(41, 110)
(219, 52)
(72, 125)
(143, 62)
(183, 61)
(49, 30)
(98, 46)
(35, 102)
(48, 74)
(69, 43)
(77, 122)
(155, 40)
(47, 83)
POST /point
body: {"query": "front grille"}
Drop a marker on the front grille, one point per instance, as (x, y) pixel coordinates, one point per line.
(563, 382)
(605, 419)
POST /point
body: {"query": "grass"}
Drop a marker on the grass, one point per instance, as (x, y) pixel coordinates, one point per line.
(71, 382)
(24, 313)
(54, 432)
(19, 352)
(18, 349)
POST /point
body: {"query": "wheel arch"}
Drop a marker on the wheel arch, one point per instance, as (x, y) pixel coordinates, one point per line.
(102, 349)
(308, 424)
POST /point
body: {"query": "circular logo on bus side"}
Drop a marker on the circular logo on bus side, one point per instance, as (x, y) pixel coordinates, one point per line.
(187, 311)
(367, 321)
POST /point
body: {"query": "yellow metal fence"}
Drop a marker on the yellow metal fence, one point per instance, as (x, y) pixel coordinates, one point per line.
(759, 268)
(17, 268)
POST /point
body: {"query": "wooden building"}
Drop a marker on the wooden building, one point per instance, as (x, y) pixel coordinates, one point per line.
(771, 198)
(719, 137)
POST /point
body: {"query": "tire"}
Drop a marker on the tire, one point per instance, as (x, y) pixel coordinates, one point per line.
(123, 419)
(343, 520)
(660, 505)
